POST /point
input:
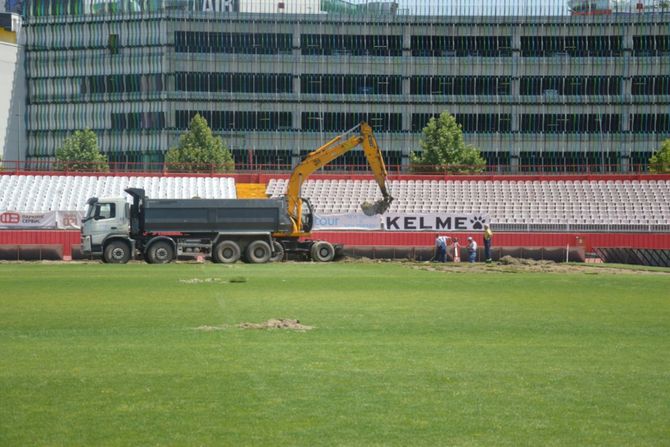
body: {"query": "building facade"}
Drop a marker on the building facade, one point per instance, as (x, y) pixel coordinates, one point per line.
(13, 99)
(275, 83)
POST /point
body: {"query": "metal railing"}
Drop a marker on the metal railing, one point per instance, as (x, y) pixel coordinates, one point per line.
(52, 166)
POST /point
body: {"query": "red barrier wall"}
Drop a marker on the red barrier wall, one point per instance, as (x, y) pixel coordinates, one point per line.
(66, 238)
(587, 240)
(380, 238)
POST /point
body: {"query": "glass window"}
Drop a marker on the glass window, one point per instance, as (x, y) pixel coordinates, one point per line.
(105, 211)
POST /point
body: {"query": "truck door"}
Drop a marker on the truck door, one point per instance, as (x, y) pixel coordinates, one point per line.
(104, 219)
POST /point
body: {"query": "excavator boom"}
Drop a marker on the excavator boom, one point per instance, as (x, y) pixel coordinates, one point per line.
(329, 152)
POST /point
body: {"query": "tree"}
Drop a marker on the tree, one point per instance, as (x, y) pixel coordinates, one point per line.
(80, 152)
(199, 150)
(659, 163)
(444, 148)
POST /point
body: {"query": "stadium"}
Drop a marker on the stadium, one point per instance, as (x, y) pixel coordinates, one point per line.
(570, 100)
(559, 340)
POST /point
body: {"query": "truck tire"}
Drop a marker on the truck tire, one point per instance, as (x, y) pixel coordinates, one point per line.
(116, 252)
(258, 252)
(278, 248)
(322, 251)
(226, 252)
(160, 252)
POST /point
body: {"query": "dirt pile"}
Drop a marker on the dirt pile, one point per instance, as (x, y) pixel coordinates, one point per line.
(294, 325)
(509, 264)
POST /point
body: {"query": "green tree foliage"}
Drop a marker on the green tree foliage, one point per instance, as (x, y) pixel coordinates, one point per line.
(80, 152)
(199, 151)
(444, 148)
(659, 163)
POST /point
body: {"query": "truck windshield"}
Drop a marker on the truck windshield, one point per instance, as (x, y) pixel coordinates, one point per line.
(90, 211)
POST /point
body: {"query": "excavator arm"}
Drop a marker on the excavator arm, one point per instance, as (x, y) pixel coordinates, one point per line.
(329, 152)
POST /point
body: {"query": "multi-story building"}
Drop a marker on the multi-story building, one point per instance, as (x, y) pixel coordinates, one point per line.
(277, 78)
(13, 99)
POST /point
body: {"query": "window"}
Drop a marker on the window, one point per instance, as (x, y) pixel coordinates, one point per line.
(658, 45)
(650, 123)
(138, 120)
(341, 122)
(122, 84)
(227, 120)
(651, 85)
(113, 43)
(233, 82)
(351, 84)
(570, 85)
(574, 46)
(460, 85)
(348, 45)
(105, 211)
(569, 123)
(470, 122)
(569, 161)
(235, 43)
(262, 159)
(461, 46)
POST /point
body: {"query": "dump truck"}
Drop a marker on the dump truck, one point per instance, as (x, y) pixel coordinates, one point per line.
(227, 230)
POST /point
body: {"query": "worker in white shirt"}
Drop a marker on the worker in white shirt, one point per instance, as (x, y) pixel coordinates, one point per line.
(472, 250)
(441, 248)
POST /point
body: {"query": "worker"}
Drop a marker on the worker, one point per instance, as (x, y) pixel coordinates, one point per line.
(472, 250)
(441, 248)
(488, 238)
(457, 251)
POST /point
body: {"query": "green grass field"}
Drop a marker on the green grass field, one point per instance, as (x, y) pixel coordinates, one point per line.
(96, 354)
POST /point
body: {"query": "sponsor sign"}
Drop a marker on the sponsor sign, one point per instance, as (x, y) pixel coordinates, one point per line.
(401, 222)
(434, 222)
(353, 221)
(63, 220)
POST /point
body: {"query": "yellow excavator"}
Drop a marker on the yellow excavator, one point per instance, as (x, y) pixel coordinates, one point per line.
(300, 209)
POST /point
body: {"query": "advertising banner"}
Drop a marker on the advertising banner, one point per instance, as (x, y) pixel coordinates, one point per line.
(353, 221)
(434, 222)
(402, 222)
(61, 220)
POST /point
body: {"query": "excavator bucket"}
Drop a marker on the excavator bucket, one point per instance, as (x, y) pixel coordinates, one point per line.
(378, 207)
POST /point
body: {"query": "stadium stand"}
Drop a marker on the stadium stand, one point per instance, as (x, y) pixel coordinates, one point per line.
(568, 212)
(511, 205)
(26, 193)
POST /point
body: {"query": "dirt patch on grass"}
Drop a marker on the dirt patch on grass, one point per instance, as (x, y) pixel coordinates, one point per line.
(237, 279)
(278, 323)
(508, 264)
(293, 325)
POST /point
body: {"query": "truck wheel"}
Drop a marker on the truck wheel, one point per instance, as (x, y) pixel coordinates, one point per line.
(116, 252)
(160, 252)
(258, 252)
(226, 252)
(322, 251)
(278, 248)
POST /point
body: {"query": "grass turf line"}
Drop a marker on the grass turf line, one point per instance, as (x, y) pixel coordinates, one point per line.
(110, 355)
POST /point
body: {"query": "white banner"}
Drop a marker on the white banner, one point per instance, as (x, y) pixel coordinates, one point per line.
(354, 221)
(401, 222)
(62, 220)
(434, 222)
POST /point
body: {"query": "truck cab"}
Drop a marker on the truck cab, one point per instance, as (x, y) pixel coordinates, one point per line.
(106, 220)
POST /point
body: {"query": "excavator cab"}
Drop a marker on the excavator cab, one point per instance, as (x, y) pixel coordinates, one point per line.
(307, 215)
